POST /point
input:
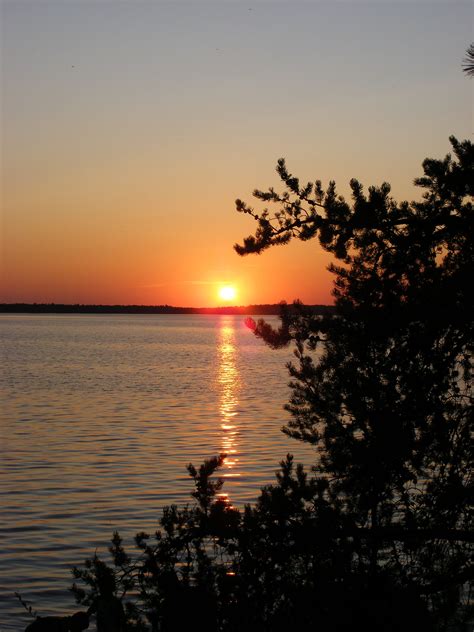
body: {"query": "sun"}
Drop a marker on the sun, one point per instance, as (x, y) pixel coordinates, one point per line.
(227, 292)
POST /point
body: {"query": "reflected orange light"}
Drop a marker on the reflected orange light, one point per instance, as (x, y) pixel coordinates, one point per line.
(229, 382)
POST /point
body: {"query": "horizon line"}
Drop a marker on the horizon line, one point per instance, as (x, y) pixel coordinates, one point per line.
(255, 308)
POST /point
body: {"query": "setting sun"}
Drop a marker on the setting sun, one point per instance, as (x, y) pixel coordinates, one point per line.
(227, 293)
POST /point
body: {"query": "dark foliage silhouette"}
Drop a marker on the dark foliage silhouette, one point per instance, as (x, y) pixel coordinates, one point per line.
(383, 390)
(75, 623)
(468, 62)
(379, 533)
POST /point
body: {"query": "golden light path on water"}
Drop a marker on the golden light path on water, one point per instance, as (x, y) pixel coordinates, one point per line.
(100, 415)
(228, 379)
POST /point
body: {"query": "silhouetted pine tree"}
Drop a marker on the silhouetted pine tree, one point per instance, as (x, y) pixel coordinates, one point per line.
(379, 535)
(387, 400)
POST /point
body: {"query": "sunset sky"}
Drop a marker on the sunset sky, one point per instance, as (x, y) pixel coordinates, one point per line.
(129, 128)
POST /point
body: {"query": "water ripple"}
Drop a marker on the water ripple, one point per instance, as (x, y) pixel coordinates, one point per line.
(100, 416)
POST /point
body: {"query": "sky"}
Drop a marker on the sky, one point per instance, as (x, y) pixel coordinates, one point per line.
(128, 129)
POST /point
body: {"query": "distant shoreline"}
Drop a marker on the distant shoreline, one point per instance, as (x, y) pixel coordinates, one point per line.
(58, 308)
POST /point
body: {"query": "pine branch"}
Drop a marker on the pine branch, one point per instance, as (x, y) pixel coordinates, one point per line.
(468, 61)
(25, 605)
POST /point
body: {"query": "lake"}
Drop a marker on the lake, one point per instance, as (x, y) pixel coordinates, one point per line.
(101, 415)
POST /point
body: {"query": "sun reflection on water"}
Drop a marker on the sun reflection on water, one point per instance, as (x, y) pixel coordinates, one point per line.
(229, 384)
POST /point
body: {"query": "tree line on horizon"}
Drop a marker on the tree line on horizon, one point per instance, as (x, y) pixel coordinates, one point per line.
(265, 309)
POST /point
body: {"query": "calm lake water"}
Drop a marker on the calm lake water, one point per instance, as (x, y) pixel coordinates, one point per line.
(101, 414)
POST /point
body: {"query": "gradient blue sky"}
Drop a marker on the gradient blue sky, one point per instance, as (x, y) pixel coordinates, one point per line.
(129, 128)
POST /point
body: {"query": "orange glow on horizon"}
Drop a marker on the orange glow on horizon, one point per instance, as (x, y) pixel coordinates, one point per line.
(97, 212)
